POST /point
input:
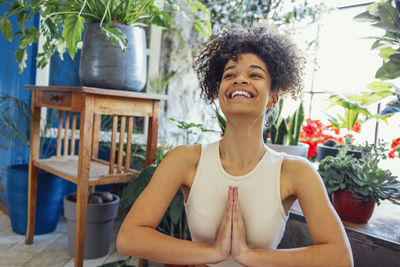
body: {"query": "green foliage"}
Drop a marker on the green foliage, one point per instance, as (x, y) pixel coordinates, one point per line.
(221, 121)
(15, 115)
(385, 15)
(63, 22)
(120, 263)
(250, 12)
(295, 123)
(158, 84)
(189, 129)
(378, 91)
(352, 110)
(286, 131)
(174, 220)
(364, 178)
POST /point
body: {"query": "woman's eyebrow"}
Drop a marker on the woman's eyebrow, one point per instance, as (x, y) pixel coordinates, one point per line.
(230, 67)
(257, 67)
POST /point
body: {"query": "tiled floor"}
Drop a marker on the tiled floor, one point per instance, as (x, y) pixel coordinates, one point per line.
(49, 250)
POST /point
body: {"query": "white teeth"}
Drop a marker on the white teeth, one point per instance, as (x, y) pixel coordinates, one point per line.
(243, 93)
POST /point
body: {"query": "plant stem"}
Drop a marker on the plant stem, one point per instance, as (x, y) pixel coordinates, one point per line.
(105, 12)
(83, 6)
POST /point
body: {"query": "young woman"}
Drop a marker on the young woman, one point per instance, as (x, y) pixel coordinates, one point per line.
(238, 191)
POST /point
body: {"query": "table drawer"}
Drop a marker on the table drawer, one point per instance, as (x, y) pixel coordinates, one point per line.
(56, 98)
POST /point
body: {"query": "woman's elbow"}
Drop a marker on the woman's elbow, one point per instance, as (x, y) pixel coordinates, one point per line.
(121, 245)
(346, 257)
(124, 244)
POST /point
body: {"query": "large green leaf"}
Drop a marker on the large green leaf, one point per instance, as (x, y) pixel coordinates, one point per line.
(378, 86)
(387, 27)
(367, 98)
(388, 14)
(28, 37)
(48, 27)
(21, 56)
(388, 71)
(6, 28)
(366, 17)
(22, 18)
(115, 35)
(385, 53)
(395, 58)
(72, 32)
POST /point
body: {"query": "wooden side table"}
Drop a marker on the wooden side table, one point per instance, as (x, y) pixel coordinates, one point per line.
(85, 169)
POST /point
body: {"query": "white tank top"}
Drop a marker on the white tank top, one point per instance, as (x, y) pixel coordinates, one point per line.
(259, 197)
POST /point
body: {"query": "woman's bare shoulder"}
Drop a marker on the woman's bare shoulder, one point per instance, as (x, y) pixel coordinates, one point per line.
(188, 154)
(292, 164)
(297, 170)
(185, 158)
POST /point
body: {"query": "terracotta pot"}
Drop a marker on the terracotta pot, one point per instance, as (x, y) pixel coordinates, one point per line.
(352, 209)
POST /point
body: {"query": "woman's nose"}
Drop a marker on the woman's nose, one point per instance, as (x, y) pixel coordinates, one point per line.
(240, 79)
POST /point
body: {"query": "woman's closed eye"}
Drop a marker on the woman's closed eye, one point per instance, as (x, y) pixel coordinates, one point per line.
(256, 75)
(228, 75)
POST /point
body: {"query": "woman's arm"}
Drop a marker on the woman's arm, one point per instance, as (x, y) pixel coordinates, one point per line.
(331, 245)
(138, 237)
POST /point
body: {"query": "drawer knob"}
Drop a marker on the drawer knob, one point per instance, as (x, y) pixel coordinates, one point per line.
(55, 98)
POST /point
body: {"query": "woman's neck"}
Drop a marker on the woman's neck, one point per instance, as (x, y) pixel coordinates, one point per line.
(242, 146)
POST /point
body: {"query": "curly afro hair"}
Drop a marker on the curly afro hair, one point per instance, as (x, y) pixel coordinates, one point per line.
(284, 62)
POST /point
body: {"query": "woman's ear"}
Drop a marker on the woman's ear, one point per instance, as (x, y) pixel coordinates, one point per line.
(273, 100)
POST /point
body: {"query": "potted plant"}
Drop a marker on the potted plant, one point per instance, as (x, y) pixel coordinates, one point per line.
(102, 209)
(284, 133)
(357, 184)
(346, 124)
(51, 188)
(110, 26)
(314, 132)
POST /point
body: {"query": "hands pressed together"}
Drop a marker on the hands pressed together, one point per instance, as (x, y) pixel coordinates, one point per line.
(231, 238)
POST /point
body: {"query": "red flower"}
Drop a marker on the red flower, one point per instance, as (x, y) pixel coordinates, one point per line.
(357, 127)
(395, 148)
(314, 132)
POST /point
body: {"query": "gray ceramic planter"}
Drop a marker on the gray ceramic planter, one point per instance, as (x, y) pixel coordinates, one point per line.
(297, 150)
(99, 226)
(104, 65)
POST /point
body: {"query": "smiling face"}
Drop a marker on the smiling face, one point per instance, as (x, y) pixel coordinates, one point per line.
(245, 87)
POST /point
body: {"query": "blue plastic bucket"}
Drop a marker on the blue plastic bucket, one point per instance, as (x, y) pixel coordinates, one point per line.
(50, 192)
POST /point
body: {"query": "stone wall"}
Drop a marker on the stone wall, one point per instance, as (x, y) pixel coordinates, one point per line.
(183, 90)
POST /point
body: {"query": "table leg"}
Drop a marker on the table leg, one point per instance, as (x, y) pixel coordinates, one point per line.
(33, 171)
(85, 145)
(152, 134)
(32, 193)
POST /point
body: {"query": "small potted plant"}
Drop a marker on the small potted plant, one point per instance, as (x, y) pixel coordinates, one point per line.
(284, 133)
(357, 184)
(347, 124)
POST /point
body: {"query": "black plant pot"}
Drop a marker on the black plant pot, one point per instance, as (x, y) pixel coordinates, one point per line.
(324, 151)
(104, 65)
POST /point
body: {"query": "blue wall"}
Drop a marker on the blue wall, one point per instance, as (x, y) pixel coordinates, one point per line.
(12, 83)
